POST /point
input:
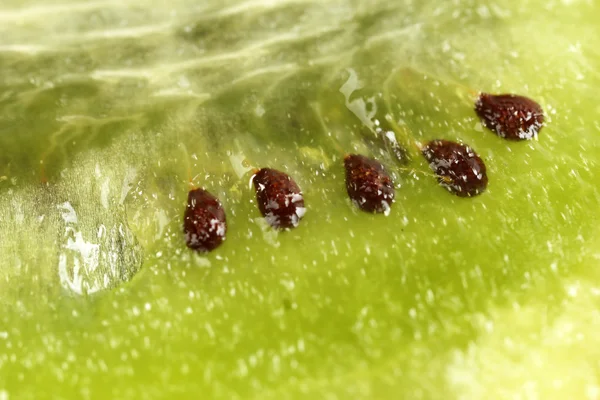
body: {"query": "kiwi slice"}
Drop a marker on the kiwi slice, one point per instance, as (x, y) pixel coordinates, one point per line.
(108, 110)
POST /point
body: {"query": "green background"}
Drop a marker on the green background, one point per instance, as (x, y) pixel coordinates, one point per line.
(109, 108)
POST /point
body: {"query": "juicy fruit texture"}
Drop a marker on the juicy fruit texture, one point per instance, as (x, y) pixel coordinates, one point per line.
(492, 298)
(204, 221)
(510, 116)
(279, 198)
(458, 167)
(368, 184)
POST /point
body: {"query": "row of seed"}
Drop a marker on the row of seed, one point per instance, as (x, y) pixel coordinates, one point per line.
(458, 167)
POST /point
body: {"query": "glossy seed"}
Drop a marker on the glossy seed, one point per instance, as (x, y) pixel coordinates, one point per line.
(510, 116)
(204, 222)
(458, 167)
(368, 184)
(279, 198)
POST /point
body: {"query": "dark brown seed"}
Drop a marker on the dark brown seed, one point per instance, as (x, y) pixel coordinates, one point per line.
(204, 222)
(510, 116)
(279, 198)
(368, 184)
(458, 167)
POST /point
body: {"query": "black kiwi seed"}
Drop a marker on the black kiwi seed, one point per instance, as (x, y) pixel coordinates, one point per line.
(204, 221)
(279, 198)
(458, 167)
(510, 116)
(368, 184)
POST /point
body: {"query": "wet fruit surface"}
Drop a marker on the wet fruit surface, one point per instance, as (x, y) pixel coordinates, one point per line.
(458, 167)
(368, 184)
(204, 222)
(279, 198)
(510, 116)
(493, 297)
